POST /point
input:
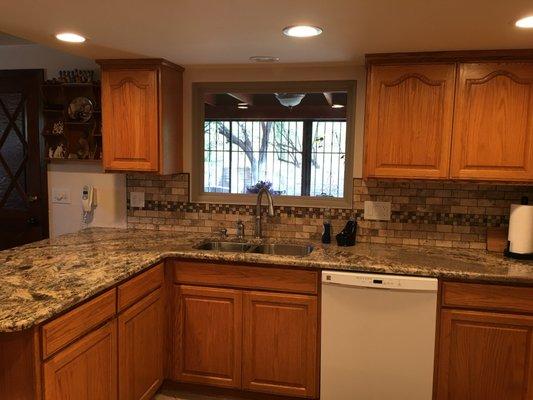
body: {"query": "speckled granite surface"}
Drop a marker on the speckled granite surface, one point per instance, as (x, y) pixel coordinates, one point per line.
(40, 280)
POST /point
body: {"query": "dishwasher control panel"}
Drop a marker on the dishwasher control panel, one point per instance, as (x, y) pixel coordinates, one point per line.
(377, 281)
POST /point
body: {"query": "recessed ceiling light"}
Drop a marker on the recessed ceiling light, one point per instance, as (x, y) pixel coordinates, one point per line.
(526, 22)
(264, 59)
(302, 31)
(337, 106)
(70, 37)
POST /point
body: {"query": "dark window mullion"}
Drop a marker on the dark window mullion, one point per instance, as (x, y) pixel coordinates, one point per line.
(306, 156)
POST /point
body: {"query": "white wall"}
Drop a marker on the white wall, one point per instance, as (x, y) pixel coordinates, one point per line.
(111, 188)
(296, 72)
(110, 210)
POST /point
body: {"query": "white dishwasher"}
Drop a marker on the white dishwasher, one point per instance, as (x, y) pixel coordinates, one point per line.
(378, 336)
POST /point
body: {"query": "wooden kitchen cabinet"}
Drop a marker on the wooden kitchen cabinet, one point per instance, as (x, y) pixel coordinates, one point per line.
(280, 343)
(485, 356)
(141, 115)
(493, 133)
(86, 369)
(207, 335)
(409, 114)
(484, 347)
(141, 334)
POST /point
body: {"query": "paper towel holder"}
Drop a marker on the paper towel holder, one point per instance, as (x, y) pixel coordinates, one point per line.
(525, 256)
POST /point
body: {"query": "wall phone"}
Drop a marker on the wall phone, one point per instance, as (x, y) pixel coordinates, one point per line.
(88, 201)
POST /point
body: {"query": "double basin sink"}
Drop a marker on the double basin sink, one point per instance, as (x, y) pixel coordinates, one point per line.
(272, 249)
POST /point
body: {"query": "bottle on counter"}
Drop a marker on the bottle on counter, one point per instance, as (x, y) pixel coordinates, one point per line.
(326, 233)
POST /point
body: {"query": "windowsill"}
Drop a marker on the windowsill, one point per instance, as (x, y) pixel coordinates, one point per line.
(291, 201)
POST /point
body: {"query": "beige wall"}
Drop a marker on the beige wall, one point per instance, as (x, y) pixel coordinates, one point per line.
(250, 73)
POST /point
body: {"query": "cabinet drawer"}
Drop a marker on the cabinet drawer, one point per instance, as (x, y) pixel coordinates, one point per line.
(65, 329)
(238, 276)
(140, 286)
(487, 297)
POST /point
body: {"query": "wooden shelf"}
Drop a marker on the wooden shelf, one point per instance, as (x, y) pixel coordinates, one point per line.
(72, 161)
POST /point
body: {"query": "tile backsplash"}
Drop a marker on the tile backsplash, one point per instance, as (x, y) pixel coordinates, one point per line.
(427, 213)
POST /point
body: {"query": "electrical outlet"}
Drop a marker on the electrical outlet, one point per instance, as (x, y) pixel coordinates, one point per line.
(377, 210)
(60, 196)
(137, 199)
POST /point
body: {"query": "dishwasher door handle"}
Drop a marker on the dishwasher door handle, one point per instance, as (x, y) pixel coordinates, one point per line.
(379, 281)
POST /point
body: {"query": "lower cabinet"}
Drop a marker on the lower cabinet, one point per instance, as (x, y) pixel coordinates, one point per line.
(256, 341)
(280, 343)
(485, 356)
(207, 335)
(485, 349)
(141, 332)
(85, 370)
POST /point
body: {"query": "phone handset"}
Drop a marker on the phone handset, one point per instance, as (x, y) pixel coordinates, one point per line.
(88, 201)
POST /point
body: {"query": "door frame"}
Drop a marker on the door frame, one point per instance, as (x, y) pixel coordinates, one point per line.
(35, 77)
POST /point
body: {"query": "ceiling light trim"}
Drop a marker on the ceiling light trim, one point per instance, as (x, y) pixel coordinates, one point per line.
(70, 37)
(302, 31)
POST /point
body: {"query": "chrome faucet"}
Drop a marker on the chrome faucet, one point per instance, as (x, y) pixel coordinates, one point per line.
(262, 191)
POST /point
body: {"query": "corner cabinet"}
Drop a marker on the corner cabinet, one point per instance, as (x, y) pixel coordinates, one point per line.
(141, 115)
(493, 129)
(409, 120)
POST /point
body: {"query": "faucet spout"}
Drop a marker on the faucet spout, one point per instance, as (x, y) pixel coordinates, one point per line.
(258, 227)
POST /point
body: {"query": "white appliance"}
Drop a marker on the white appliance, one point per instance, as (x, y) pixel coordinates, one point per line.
(378, 336)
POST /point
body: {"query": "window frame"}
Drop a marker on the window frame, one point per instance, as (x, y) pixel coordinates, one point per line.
(198, 116)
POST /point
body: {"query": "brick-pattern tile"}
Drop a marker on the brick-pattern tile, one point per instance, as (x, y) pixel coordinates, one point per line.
(424, 213)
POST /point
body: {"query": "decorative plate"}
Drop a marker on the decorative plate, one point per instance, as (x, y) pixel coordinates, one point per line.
(80, 109)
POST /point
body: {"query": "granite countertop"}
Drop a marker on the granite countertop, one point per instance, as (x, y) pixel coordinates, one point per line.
(42, 279)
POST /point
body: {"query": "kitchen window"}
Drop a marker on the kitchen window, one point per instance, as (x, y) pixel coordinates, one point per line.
(294, 139)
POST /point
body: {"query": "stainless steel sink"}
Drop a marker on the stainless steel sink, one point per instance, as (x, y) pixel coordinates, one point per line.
(273, 249)
(284, 249)
(226, 246)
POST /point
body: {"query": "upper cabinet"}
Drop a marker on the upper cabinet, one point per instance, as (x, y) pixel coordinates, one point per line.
(142, 115)
(444, 116)
(409, 120)
(493, 129)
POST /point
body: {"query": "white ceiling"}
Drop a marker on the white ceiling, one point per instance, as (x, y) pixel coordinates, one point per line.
(230, 31)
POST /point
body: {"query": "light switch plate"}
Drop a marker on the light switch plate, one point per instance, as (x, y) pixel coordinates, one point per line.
(377, 210)
(137, 199)
(60, 196)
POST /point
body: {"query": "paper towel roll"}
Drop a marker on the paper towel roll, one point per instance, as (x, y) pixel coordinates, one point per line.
(521, 229)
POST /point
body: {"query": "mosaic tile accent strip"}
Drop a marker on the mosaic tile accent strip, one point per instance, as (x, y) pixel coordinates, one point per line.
(426, 213)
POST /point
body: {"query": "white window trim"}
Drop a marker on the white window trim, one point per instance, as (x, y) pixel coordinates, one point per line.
(197, 193)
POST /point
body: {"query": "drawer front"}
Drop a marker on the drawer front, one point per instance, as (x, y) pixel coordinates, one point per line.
(487, 297)
(138, 287)
(82, 319)
(257, 278)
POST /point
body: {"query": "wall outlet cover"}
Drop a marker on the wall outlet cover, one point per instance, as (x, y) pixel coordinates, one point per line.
(377, 210)
(137, 199)
(60, 196)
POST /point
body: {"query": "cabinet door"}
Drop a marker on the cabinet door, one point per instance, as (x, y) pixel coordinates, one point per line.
(409, 121)
(208, 329)
(85, 370)
(485, 356)
(130, 119)
(493, 133)
(280, 344)
(140, 348)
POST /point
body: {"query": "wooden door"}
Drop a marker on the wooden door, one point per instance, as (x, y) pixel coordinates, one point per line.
(280, 344)
(409, 118)
(207, 329)
(485, 356)
(23, 188)
(85, 370)
(130, 119)
(493, 133)
(141, 330)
